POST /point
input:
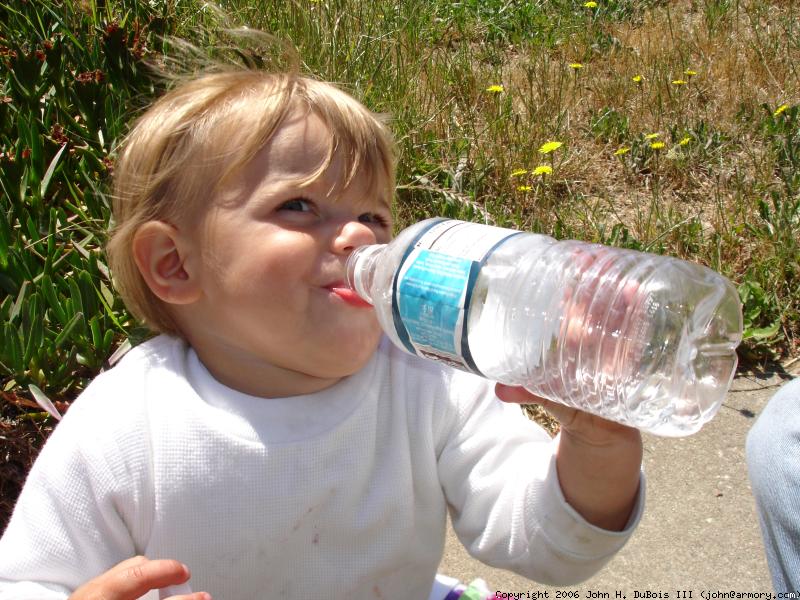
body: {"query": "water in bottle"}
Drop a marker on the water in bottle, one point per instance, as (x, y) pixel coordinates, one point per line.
(645, 340)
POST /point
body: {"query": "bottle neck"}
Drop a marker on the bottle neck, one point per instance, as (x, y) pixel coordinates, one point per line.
(360, 270)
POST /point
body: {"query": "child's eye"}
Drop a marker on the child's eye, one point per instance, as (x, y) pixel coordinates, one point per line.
(297, 204)
(374, 219)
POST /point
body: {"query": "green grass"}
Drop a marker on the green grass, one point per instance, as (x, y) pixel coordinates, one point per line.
(723, 190)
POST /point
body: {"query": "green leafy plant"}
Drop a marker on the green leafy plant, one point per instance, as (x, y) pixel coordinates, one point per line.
(760, 314)
(71, 76)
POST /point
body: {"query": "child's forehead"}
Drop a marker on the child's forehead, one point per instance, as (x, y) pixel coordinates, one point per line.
(305, 152)
(299, 146)
(303, 156)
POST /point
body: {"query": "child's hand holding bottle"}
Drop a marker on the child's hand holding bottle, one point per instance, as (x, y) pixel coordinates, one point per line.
(598, 461)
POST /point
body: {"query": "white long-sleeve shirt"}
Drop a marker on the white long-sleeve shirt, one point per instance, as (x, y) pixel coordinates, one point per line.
(338, 494)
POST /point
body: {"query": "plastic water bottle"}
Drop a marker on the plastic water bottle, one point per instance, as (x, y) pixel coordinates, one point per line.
(645, 340)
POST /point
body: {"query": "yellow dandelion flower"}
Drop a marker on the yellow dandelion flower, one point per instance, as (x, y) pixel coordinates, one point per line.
(543, 170)
(590, 4)
(780, 109)
(519, 172)
(524, 188)
(652, 136)
(621, 151)
(690, 73)
(685, 140)
(576, 66)
(679, 82)
(495, 89)
(549, 147)
(657, 145)
(636, 79)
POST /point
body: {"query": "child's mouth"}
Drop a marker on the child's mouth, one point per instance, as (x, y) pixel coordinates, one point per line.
(348, 295)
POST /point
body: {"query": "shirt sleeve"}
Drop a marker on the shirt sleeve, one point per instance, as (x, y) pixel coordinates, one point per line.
(498, 471)
(82, 507)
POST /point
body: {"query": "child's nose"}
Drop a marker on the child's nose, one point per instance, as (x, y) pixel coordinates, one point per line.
(351, 235)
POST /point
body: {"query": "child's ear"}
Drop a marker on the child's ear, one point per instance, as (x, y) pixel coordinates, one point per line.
(162, 254)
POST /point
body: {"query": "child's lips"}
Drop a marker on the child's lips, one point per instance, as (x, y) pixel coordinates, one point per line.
(348, 295)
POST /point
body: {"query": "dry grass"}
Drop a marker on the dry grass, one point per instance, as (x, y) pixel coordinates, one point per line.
(701, 201)
(743, 62)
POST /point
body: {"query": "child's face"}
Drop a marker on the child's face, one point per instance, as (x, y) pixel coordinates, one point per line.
(269, 321)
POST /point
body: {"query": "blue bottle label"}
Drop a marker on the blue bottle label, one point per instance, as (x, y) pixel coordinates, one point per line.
(434, 288)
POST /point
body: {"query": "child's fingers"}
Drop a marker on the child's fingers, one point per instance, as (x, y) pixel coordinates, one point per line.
(139, 575)
(519, 395)
(133, 578)
(589, 427)
(515, 395)
(193, 596)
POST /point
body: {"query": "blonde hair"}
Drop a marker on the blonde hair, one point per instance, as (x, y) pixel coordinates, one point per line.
(201, 133)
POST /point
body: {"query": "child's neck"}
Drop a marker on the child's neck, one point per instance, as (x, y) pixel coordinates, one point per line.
(249, 375)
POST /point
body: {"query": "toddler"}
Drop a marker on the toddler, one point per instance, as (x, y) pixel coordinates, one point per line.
(270, 443)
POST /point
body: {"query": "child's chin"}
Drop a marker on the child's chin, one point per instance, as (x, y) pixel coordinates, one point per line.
(351, 357)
